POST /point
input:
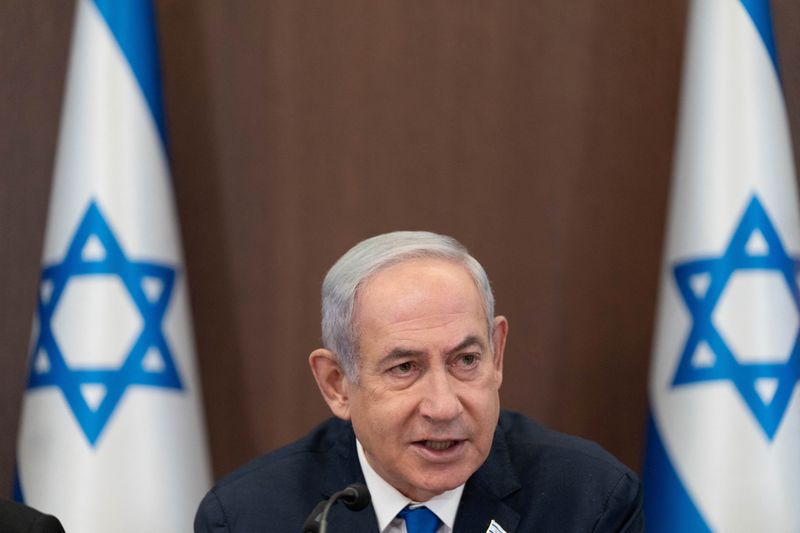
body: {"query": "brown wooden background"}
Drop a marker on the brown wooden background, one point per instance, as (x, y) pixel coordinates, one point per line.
(538, 132)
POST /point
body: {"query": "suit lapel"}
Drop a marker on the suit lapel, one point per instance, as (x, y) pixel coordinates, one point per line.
(482, 500)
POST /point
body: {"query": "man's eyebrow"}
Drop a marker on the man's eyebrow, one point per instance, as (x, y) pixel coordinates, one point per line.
(470, 340)
(401, 353)
(398, 353)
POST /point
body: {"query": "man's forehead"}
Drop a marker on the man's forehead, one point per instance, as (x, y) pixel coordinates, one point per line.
(405, 287)
(423, 307)
(418, 290)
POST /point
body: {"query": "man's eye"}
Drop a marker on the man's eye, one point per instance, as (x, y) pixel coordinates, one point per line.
(402, 368)
(468, 360)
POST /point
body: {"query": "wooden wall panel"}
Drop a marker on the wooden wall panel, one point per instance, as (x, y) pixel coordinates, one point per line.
(33, 37)
(539, 133)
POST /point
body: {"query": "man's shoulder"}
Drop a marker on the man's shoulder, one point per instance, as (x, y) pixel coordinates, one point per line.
(304, 454)
(280, 487)
(563, 481)
(528, 440)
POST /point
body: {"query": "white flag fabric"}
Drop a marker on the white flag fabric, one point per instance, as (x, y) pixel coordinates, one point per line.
(723, 447)
(112, 437)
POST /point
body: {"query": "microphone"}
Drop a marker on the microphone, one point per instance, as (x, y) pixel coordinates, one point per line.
(311, 524)
(354, 496)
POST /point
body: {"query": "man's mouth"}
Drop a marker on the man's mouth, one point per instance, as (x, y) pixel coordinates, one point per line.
(440, 450)
(439, 444)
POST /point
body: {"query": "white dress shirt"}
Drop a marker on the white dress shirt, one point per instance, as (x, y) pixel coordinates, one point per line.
(388, 501)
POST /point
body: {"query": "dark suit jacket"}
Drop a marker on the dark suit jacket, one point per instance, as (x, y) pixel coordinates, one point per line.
(18, 518)
(534, 479)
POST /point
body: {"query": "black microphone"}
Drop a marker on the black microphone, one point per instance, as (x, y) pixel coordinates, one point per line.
(355, 497)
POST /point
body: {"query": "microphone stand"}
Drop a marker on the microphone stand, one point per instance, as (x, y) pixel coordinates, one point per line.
(355, 497)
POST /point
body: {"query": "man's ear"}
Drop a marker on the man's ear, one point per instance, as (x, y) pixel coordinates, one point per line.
(332, 382)
(499, 345)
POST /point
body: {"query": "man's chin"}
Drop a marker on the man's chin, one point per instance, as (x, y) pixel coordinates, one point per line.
(424, 490)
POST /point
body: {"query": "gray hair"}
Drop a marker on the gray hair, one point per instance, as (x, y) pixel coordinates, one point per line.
(367, 258)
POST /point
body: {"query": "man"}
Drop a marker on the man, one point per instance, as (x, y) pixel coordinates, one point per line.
(412, 367)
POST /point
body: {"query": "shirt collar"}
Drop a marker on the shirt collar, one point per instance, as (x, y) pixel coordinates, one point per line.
(388, 501)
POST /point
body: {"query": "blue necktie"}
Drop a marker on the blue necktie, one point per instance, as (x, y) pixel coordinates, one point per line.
(419, 520)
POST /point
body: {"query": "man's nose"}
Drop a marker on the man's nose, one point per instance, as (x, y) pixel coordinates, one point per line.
(440, 402)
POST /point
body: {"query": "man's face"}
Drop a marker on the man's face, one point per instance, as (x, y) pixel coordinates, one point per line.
(426, 403)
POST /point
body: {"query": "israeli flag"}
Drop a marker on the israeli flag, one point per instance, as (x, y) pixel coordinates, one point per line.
(112, 437)
(723, 446)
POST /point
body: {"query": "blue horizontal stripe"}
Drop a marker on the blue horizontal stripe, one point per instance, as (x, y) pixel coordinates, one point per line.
(667, 505)
(759, 12)
(133, 24)
(18, 497)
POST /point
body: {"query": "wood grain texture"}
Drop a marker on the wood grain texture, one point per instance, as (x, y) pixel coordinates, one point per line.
(539, 133)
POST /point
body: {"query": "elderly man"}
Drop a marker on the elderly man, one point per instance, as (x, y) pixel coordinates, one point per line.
(412, 367)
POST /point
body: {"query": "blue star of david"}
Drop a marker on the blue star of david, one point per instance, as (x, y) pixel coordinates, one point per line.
(56, 372)
(701, 305)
